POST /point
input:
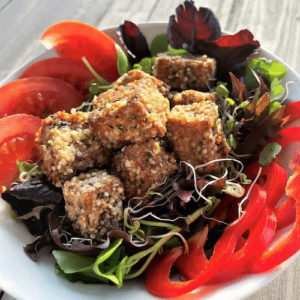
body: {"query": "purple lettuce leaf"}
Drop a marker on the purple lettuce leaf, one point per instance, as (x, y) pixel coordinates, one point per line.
(32, 250)
(192, 27)
(134, 41)
(31, 201)
(199, 32)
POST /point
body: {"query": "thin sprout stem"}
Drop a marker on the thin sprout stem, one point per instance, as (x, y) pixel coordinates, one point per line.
(126, 219)
(218, 221)
(146, 195)
(100, 80)
(209, 183)
(240, 155)
(133, 210)
(287, 90)
(213, 161)
(157, 224)
(172, 234)
(216, 203)
(153, 250)
(249, 191)
(157, 218)
(195, 176)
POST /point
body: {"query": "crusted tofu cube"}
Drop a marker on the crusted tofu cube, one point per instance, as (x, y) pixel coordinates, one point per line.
(134, 75)
(129, 114)
(143, 166)
(94, 203)
(196, 134)
(190, 97)
(185, 72)
(66, 145)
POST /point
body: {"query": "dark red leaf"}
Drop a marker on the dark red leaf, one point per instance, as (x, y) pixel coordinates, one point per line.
(231, 52)
(192, 27)
(238, 89)
(256, 135)
(134, 41)
(199, 32)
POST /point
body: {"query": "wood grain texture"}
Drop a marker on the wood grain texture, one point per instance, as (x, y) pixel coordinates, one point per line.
(273, 22)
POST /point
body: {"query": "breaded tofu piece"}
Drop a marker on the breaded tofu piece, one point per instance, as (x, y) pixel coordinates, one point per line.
(66, 145)
(190, 97)
(129, 114)
(94, 203)
(143, 166)
(185, 72)
(196, 134)
(134, 75)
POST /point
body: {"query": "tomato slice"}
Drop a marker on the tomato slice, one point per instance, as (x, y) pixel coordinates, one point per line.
(69, 70)
(37, 96)
(17, 142)
(73, 39)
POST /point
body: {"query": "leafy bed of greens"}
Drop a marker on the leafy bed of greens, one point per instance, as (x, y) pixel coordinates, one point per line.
(251, 108)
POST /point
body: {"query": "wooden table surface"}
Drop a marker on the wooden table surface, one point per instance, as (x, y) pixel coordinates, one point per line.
(275, 23)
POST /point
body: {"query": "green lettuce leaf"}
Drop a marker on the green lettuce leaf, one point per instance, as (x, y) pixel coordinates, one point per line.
(159, 44)
(277, 90)
(174, 51)
(269, 152)
(270, 69)
(274, 105)
(122, 63)
(145, 65)
(76, 267)
(108, 266)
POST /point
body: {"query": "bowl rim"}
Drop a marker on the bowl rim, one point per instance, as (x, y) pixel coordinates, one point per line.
(142, 24)
(17, 293)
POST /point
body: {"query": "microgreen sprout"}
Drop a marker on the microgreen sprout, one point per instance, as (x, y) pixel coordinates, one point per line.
(287, 90)
(240, 209)
(100, 80)
(99, 85)
(134, 259)
(222, 90)
(85, 107)
(28, 172)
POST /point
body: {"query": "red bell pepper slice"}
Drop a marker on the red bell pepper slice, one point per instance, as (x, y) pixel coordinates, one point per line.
(288, 136)
(290, 244)
(276, 179)
(292, 112)
(159, 270)
(221, 211)
(260, 237)
(240, 244)
(285, 213)
(189, 264)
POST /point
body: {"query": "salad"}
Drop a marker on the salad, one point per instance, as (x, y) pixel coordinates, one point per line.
(159, 160)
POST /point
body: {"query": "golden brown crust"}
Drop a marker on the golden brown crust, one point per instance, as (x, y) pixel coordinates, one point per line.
(66, 145)
(190, 97)
(142, 166)
(94, 203)
(134, 75)
(196, 134)
(129, 114)
(183, 73)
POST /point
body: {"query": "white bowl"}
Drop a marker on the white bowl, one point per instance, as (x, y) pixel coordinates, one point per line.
(26, 280)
